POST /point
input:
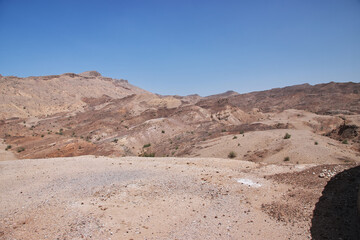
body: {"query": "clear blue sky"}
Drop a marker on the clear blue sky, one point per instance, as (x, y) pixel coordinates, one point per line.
(184, 47)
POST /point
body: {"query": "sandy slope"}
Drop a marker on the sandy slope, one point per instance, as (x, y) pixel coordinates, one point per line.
(156, 198)
(5, 155)
(271, 147)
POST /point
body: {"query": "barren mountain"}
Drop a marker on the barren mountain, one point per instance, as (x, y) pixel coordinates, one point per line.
(43, 96)
(77, 114)
(288, 147)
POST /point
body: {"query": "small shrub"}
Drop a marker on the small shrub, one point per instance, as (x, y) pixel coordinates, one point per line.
(115, 140)
(162, 131)
(316, 143)
(42, 135)
(177, 147)
(232, 155)
(147, 145)
(235, 137)
(286, 159)
(20, 149)
(8, 147)
(223, 130)
(287, 136)
(242, 132)
(147, 155)
(345, 141)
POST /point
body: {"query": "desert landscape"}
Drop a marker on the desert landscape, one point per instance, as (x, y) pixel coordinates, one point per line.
(84, 156)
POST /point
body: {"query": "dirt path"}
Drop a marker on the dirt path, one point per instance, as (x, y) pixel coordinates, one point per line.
(157, 198)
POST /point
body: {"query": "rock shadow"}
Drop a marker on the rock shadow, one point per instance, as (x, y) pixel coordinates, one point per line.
(336, 214)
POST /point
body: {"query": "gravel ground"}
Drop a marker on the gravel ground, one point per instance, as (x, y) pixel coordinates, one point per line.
(156, 198)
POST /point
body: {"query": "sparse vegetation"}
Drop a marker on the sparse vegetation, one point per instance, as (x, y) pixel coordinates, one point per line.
(287, 136)
(232, 155)
(235, 137)
(316, 143)
(60, 132)
(286, 159)
(8, 147)
(115, 140)
(20, 149)
(162, 131)
(223, 130)
(42, 135)
(147, 145)
(345, 141)
(147, 154)
(242, 132)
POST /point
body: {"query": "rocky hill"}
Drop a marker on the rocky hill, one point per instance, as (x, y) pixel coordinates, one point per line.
(47, 95)
(79, 114)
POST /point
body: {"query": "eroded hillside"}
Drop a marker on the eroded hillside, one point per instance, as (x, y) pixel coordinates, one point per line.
(81, 114)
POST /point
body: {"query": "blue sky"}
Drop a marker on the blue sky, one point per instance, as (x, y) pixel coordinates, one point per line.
(184, 47)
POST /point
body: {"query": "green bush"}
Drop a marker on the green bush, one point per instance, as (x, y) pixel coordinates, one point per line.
(20, 149)
(147, 145)
(235, 137)
(147, 155)
(8, 147)
(232, 155)
(286, 159)
(316, 143)
(287, 136)
(345, 142)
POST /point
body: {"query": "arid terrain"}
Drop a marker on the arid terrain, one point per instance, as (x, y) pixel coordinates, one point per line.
(84, 156)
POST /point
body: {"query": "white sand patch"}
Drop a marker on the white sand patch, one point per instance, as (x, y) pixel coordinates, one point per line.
(248, 182)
